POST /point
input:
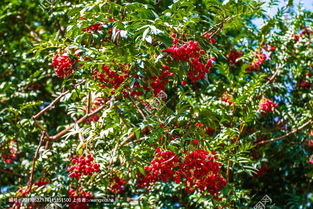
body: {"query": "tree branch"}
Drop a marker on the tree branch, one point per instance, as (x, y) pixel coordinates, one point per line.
(54, 102)
(50, 105)
(288, 134)
(89, 102)
(81, 120)
(131, 136)
(139, 110)
(30, 181)
(135, 141)
(11, 173)
(274, 75)
(220, 27)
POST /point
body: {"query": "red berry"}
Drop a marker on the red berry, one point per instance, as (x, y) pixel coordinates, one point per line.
(196, 142)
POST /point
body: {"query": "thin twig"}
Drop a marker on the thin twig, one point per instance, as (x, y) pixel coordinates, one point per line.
(274, 75)
(227, 171)
(135, 141)
(50, 105)
(39, 125)
(11, 173)
(30, 181)
(54, 102)
(131, 136)
(220, 27)
(139, 110)
(81, 120)
(286, 135)
(89, 102)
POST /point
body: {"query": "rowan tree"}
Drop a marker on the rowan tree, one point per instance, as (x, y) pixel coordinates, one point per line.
(159, 104)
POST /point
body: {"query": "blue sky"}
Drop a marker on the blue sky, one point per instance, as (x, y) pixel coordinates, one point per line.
(305, 4)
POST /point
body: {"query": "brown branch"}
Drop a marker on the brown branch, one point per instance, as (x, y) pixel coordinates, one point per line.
(30, 181)
(50, 105)
(286, 135)
(11, 173)
(89, 102)
(135, 141)
(39, 125)
(131, 136)
(220, 27)
(139, 110)
(274, 75)
(33, 33)
(81, 120)
(228, 170)
(216, 32)
(54, 102)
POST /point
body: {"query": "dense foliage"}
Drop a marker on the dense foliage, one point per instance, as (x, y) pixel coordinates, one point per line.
(159, 104)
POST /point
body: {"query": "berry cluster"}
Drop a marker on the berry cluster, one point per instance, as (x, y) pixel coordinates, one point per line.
(199, 69)
(184, 52)
(40, 183)
(83, 165)
(93, 28)
(192, 53)
(96, 27)
(269, 47)
(109, 78)
(10, 155)
(96, 103)
(195, 142)
(259, 58)
(136, 89)
(21, 192)
(198, 170)
(210, 131)
(161, 168)
(64, 65)
(262, 170)
(233, 56)
(211, 39)
(79, 199)
(117, 185)
(267, 105)
(306, 31)
(199, 124)
(227, 100)
(305, 84)
(94, 118)
(158, 83)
